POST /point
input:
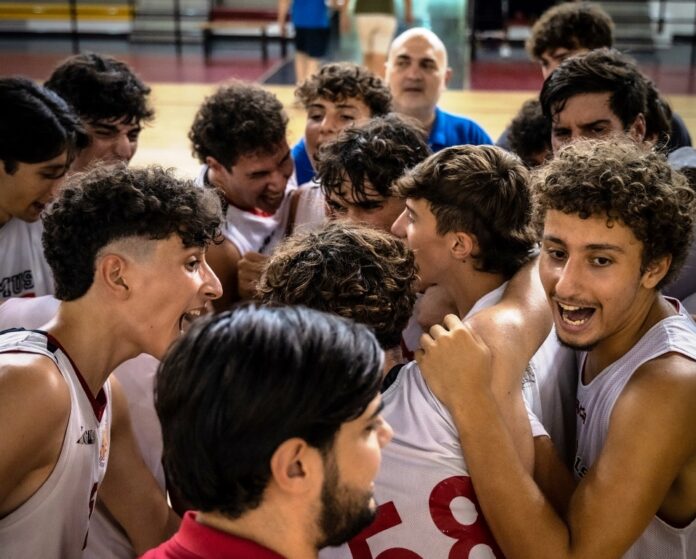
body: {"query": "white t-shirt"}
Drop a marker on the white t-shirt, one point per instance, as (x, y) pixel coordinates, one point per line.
(23, 268)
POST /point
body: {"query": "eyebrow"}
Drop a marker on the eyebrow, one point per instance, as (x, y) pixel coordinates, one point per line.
(377, 411)
(592, 246)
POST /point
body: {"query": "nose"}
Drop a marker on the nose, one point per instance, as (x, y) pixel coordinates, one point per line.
(567, 280)
(398, 228)
(124, 148)
(212, 288)
(386, 433)
(328, 128)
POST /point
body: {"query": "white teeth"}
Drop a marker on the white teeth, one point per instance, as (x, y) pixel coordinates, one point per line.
(573, 322)
(568, 307)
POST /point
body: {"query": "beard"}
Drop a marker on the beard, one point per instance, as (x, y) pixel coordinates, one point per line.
(344, 511)
(577, 347)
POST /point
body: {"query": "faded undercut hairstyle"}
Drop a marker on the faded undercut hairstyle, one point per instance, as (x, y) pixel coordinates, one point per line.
(351, 270)
(112, 203)
(627, 185)
(483, 191)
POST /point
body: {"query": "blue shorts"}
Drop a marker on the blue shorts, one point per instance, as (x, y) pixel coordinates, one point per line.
(312, 41)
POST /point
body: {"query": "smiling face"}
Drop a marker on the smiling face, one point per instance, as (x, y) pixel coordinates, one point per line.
(325, 119)
(592, 277)
(417, 74)
(589, 115)
(110, 141)
(25, 192)
(350, 467)
(256, 180)
(170, 285)
(375, 210)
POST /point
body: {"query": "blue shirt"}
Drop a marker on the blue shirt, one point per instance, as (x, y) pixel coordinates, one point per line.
(310, 14)
(448, 130)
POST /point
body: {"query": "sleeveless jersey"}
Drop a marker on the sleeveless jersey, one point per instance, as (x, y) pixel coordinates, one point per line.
(137, 377)
(53, 523)
(251, 232)
(427, 505)
(595, 402)
(310, 211)
(23, 268)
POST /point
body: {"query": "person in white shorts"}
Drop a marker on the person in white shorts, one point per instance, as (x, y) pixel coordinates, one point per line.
(617, 223)
(127, 251)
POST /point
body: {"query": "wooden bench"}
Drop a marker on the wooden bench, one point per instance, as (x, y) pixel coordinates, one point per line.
(238, 23)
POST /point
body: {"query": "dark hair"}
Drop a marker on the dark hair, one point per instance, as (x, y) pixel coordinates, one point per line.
(345, 80)
(481, 190)
(111, 203)
(101, 88)
(608, 71)
(242, 382)
(35, 124)
(354, 271)
(380, 152)
(238, 119)
(623, 182)
(530, 133)
(573, 26)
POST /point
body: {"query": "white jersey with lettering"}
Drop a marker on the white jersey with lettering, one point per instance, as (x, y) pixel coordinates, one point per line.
(595, 402)
(23, 268)
(428, 507)
(250, 231)
(53, 523)
(137, 376)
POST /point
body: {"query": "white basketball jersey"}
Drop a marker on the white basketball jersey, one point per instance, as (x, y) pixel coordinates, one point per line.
(310, 213)
(23, 268)
(137, 378)
(249, 231)
(53, 523)
(595, 402)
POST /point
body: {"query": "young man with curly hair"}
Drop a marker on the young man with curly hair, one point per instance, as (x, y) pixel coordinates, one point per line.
(572, 28)
(239, 134)
(284, 460)
(40, 137)
(347, 269)
(111, 101)
(617, 223)
(530, 135)
(338, 96)
(127, 252)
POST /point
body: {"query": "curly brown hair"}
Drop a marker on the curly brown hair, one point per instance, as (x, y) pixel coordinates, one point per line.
(627, 184)
(379, 152)
(345, 80)
(530, 133)
(238, 119)
(571, 25)
(351, 270)
(482, 190)
(110, 203)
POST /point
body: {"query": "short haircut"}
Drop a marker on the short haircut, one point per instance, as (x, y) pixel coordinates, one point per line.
(530, 133)
(628, 185)
(36, 125)
(111, 203)
(101, 88)
(345, 80)
(379, 152)
(573, 26)
(483, 191)
(355, 271)
(608, 71)
(242, 382)
(238, 119)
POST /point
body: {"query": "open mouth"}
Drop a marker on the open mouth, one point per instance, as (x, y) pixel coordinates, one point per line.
(188, 318)
(575, 316)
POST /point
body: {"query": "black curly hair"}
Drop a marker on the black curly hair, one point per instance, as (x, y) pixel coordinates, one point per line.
(345, 80)
(101, 88)
(238, 119)
(627, 184)
(112, 203)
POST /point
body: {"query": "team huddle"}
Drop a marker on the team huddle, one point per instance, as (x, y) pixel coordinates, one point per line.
(393, 339)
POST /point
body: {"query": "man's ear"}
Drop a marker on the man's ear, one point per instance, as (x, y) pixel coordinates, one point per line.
(214, 164)
(111, 271)
(461, 245)
(295, 465)
(655, 271)
(448, 75)
(638, 129)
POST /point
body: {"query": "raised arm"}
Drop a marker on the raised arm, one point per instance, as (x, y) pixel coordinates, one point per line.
(647, 460)
(129, 490)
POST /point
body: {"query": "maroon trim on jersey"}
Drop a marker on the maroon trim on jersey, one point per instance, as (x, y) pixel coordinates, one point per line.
(99, 403)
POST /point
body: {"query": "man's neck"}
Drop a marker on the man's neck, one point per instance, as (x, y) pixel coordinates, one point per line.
(468, 285)
(425, 116)
(267, 530)
(652, 310)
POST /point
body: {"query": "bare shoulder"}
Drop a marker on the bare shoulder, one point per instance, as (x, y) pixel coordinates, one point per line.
(671, 377)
